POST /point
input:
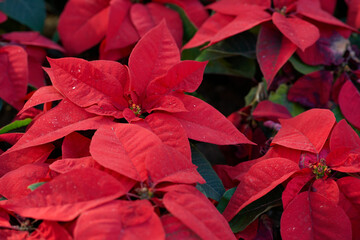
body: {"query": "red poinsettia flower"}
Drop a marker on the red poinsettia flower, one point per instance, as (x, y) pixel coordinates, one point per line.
(153, 85)
(310, 151)
(119, 24)
(289, 26)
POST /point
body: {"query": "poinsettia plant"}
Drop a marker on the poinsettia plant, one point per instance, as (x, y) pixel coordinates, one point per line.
(113, 119)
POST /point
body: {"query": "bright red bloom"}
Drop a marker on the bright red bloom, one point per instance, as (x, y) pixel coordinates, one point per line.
(154, 83)
(119, 24)
(289, 26)
(311, 197)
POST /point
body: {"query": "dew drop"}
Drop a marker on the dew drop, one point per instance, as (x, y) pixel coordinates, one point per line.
(73, 87)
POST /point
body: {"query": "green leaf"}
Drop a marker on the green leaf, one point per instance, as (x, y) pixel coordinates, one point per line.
(3, 198)
(280, 97)
(243, 44)
(302, 67)
(34, 186)
(28, 12)
(213, 188)
(190, 54)
(224, 201)
(251, 212)
(15, 125)
(234, 66)
(189, 27)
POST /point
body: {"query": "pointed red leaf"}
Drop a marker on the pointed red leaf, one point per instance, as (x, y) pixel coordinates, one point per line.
(68, 164)
(120, 31)
(270, 111)
(170, 131)
(344, 159)
(350, 201)
(349, 99)
(42, 95)
(312, 216)
(141, 18)
(272, 51)
(185, 76)
(54, 124)
(312, 90)
(350, 186)
(345, 149)
(75, 145)
(328, 5)
(261, 178)
(195, 211)
(50, 230)
(10, 161)
(160, 12)
(326, 188)
(303, 34)
(246, 19)
(344, 136)
(123, 148)
(307, 131)
(209, 29)
(176, 230)
(194, 9)
(68, 195)
(168, 165)
(204, 123)
(14, 184)
(154, 54)
(14, 80)
(294, 186)
(353, 14)
(87, 86)
(165, 103)
(31, 39)
(313, 10)
(233, 7)
(83, 24)
(120, 220)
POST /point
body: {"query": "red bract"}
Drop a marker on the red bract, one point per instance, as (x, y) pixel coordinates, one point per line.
(140, 155)
(119, 24)
(14, 63)
(312, 195)
(294, 25)
(34, 45)
(154, 82)
(66, 196)
(186, 205)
